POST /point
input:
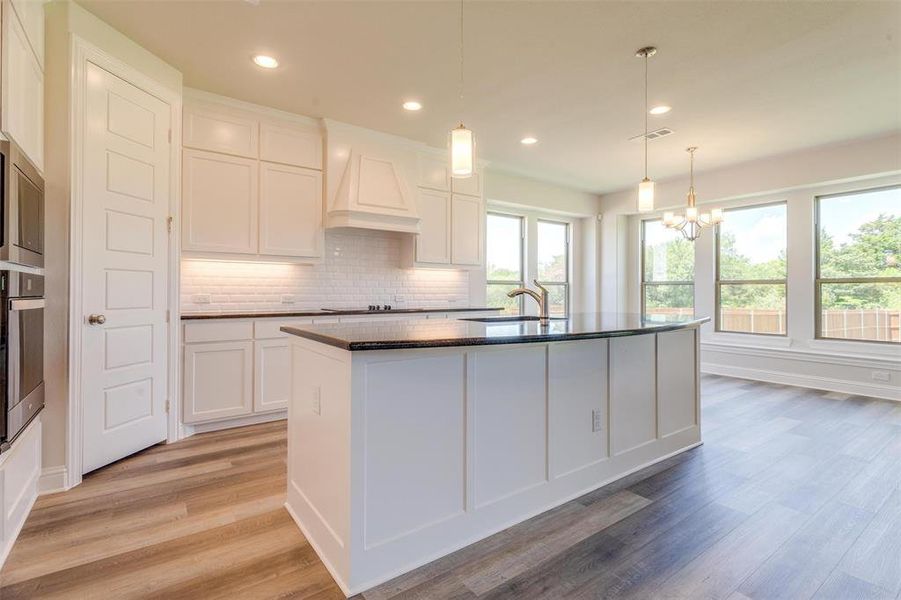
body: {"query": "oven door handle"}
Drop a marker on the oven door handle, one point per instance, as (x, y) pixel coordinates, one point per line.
(27, 304)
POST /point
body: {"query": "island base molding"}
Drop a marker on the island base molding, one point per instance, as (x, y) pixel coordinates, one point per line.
(399, 457)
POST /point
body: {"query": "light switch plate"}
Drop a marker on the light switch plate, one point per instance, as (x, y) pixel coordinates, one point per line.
(317, 401)
(288, 299)
(596, 421)
(200, 298)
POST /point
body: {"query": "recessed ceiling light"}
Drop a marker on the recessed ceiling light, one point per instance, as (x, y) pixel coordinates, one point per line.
(660, 110)
(267, 62)
(528, 141)
(412, 105)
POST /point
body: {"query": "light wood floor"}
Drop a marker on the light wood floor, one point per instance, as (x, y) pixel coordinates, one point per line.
(795, 494)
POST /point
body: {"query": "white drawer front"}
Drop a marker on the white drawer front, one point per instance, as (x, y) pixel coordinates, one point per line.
(218, 331)
(270, 328)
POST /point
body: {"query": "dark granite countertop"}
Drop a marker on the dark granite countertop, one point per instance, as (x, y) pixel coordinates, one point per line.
(321, 313)
(394, 335)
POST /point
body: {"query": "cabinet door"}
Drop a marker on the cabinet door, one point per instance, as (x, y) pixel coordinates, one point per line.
(290, 146)
(433, 242)
(290, 211)
(208, 128)
(23, 91)
(218, 381)
(470, 186)
(466, 230)
(31, 14)
(272, 375)
(433, 173)
(219, 203)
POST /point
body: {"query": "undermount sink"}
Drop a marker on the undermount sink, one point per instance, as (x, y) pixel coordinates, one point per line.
(511, 319)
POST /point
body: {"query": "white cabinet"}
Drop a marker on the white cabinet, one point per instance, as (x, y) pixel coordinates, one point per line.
(220, 130)
(290, 210)
(219, 203)
(434, 173)
(252, 183)
(22, 117)
(272, 374)
(290, 146)
(467, 217)
(20, 469)
(218, 380)
(433, 244)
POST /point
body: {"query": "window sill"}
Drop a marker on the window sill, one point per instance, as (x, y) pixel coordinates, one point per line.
(859, 354)
(752, 340)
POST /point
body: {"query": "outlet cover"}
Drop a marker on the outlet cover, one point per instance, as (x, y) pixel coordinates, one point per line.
(287, 299)
(880, 376)
(200, 298)
(597, 421)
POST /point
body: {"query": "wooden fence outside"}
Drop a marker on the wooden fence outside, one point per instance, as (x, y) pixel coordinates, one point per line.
(855, 324)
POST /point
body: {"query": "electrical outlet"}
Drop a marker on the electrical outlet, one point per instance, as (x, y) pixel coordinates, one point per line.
(400, 298)
(287, 299)
(317, 401)
(200, 298)
(880, 376)
(597, 423)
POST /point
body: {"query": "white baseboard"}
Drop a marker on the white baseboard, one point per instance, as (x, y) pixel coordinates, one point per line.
(829, 384)
(189, 430)
(53, 479)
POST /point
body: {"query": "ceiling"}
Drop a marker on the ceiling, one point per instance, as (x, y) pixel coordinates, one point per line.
(745, 79)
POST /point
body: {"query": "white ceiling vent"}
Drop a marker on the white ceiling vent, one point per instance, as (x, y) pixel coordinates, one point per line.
(653, 135)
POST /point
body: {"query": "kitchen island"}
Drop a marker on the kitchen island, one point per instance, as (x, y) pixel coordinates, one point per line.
(408, 440)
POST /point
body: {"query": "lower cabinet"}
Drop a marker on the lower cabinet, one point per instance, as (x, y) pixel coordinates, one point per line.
(272, 369)
(218, 381)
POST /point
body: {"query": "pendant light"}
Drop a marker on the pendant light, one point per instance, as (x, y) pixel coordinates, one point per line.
(691, 224)
(462, 144)
(646, 187)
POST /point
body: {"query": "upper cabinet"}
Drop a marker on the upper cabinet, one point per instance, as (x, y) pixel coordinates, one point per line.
(452, 218)
(22, 110)
(252, 183)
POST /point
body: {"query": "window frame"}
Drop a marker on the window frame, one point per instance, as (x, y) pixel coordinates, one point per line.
(567, 249)
(818, 280)
(522, 254)
(643, 283)
(718, 282)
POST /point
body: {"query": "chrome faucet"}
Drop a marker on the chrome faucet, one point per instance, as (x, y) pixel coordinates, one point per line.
(541, 299)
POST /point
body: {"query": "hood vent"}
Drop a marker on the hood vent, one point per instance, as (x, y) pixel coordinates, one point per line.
(373, 195)
(653, 135)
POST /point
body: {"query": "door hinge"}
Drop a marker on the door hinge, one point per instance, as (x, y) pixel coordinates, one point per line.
(167, 316)
(169, 224)
(170, 136)
(167, 407)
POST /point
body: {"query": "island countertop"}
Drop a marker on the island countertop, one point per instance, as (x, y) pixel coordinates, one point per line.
(486, 331)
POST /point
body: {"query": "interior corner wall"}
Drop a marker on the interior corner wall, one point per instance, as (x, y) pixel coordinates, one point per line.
(64, 19)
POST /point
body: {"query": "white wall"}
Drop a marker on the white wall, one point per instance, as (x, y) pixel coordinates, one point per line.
(796, 179)
(360, 268)
(522, 195)
(64, 19)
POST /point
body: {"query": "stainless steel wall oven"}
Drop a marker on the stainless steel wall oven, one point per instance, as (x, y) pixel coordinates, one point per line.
(22, 217)
(21, 351)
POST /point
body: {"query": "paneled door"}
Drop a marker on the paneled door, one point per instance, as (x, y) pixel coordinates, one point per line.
(125, 275)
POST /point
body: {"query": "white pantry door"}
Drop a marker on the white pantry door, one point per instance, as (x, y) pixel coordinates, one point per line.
(125, 276)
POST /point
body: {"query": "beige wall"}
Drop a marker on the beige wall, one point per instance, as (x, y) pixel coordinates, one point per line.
(62, 20)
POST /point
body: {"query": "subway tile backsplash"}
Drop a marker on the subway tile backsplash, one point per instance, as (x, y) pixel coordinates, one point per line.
(360, 268)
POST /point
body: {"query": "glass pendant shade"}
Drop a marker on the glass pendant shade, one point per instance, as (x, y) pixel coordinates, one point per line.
(462, 152)
(646, 195)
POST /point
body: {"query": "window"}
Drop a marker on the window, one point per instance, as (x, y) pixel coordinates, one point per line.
(858, 277)
(553, 264)
(504, 261)
(751, 274)
(667, 271)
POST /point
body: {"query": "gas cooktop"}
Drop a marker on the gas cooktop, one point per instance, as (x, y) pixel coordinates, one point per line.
(371, 307)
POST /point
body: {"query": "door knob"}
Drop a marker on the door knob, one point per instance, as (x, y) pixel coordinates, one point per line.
(97, 319)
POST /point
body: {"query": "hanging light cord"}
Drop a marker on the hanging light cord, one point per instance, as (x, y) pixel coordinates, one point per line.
(645, 114)
(461, 55)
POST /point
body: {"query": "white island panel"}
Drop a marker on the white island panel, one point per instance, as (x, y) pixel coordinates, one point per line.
(677, 385)
(577, 393)
(415, 445)
(633, 408)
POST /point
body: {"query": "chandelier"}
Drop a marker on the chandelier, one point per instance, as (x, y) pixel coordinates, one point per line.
(692, 223)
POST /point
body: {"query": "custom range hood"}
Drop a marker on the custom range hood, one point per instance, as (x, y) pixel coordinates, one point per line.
(368, 180)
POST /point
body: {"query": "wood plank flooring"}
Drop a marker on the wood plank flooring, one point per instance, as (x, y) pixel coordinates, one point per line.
(795, 494)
